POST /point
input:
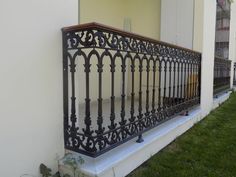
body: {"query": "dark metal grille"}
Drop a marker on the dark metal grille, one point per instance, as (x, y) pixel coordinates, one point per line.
(222, 68)
(118, 85)
(234, 77)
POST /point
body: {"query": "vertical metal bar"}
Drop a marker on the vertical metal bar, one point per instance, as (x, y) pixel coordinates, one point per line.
(185, 80)
(178, 82)
(140, 116)
(132, 66)
(122, 114)
(170, 99)
(87, 119)
(187, 89)
(182, 84)
(159, 85)
(100, 118)
(234, 77)
(164, 96)
(73, 117)
(199, 77)
(194, 80)
(174, 87)
(188, 81)
(191, 81)
(112, 114)
(65, 90)
(154, 87)
(147, 89)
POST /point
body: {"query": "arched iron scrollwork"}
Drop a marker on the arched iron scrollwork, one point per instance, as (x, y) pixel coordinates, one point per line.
(164, 80)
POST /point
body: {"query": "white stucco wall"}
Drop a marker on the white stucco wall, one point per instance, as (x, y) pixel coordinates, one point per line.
(208, 45)
(232, 38)
(198, 25)
(31, 128)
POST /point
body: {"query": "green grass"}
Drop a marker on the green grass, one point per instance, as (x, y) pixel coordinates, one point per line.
(206, 150)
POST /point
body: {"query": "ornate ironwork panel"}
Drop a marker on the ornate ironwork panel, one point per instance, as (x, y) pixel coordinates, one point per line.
(118, 85)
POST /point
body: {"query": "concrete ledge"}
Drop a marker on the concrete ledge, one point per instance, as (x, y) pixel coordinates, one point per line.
(122, 160)
(220, 99)
(125, 158)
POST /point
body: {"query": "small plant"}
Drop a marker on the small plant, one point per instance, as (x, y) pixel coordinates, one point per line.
(74, 163)
(46, 172)
(70, 160)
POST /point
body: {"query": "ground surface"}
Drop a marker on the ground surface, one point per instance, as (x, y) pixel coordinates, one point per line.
(206, 150)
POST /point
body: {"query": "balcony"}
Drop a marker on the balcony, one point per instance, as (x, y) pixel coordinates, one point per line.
(157, 81)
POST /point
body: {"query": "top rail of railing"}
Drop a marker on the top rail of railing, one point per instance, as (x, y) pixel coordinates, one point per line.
(98, 26)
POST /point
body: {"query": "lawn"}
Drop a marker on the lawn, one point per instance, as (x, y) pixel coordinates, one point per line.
(206, 150)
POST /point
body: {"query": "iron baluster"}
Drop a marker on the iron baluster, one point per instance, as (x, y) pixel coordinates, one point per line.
(132, 67)
(73, 117)
(169, 89)
(154, 87)
(112, 114)
(65, 92)
(122, 114)
(174, 86)
(140, 115)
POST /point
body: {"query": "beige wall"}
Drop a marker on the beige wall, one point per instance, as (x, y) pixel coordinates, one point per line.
(144, 16)
(109, 12)
(198, 25)
(31, 98)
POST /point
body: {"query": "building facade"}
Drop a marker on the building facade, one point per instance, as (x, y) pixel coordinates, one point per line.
(33, 126)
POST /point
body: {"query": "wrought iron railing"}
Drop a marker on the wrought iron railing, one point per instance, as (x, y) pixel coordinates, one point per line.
(222, 68)
(234, 73)
(117, 85)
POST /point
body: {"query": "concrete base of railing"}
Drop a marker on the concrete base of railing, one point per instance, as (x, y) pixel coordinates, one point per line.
(220, 99)
(122, 160)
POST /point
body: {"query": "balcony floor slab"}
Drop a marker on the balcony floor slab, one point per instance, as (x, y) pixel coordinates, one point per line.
(122, 160)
